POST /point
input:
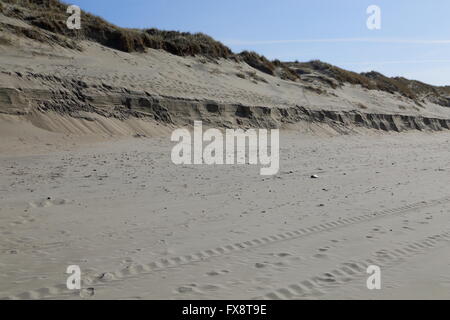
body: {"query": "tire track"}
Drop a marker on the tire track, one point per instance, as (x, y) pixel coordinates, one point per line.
(351, 270)
(207, 254)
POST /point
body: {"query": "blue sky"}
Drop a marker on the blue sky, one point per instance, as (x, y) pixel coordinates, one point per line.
(414, 40)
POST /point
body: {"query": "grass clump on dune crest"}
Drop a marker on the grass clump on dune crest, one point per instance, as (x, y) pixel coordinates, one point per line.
(258, 62)
(51, 15)
(185, 43)
(370, 80)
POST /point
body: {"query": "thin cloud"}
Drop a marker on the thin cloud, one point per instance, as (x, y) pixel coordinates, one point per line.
(396, 62)
(337, 40)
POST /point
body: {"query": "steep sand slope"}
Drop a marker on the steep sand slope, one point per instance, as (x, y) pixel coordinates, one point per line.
(36, 77)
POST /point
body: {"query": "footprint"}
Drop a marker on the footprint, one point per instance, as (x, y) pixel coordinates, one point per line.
(329, 278)
(217, 273)
(187, 288)
(210, 287)
(283, 254)
(107, 276)
(87, 293)
(47, 202)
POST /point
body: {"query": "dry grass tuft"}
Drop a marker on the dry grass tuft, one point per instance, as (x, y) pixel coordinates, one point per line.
(258, 62)
(51, 15)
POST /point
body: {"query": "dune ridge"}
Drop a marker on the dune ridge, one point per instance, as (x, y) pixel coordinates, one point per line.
(184, 77)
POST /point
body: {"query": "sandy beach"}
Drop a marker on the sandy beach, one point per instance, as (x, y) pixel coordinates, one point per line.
(142, 228)
(87, 178)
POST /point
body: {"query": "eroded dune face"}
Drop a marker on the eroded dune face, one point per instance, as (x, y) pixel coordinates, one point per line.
(93, 81)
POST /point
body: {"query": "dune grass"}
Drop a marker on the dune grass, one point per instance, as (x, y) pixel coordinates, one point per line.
(51, 15)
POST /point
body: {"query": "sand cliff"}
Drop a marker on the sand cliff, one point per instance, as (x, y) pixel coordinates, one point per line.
(91, 80)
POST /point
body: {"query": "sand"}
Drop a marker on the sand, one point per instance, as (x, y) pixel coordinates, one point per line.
(86, 179)
(142, 228)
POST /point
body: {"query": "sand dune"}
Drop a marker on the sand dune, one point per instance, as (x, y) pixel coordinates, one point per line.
(86, 179)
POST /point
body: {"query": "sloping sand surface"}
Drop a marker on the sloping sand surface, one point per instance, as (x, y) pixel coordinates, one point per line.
(140, 227)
